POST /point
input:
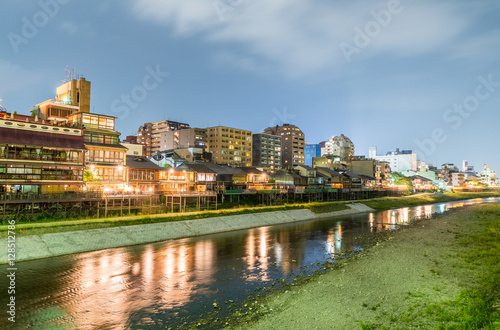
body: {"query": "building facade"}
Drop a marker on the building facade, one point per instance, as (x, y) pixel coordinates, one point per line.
(230, 146)
(311, 151)
(150, 134)
(266, 151)
(488, 176)
(399, 161)
(105, 156)
(292, 144)
(339, 146)
(40, 158)
(183, 138)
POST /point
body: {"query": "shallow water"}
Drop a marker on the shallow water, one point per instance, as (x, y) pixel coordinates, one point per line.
(168, 283)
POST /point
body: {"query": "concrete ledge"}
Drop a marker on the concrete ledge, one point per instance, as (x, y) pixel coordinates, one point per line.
(58, 244)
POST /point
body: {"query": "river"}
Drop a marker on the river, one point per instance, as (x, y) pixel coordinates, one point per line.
(165, 284)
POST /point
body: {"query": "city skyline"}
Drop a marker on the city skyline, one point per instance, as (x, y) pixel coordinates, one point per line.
(391, 74)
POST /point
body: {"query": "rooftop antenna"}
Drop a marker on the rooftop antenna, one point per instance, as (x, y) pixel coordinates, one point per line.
(70, 75)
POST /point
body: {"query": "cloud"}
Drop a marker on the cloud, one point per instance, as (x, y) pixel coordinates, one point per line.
(302, 37)
(15, 78)
(72, 28)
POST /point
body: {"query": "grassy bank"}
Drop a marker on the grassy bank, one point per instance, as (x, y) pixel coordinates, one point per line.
(38, 228)
(86, 224)
(391, 202)
(442, 273)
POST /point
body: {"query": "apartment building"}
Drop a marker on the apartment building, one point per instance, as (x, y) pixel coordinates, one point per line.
(292, 144)
(230, 146)
(266, 151)
(150, 134)
(183, 138)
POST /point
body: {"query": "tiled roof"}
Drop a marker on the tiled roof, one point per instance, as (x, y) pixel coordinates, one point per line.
(35, 138)
(141, 162)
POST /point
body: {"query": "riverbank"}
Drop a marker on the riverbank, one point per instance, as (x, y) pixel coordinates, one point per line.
(48, 245)
(434, 274)
(49, 239)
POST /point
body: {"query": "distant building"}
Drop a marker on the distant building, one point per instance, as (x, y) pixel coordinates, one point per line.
(133, 149)
(399, 161)
(311, 151)
(292, 144)
(266, 151)
(183, 138)
(339, 146)
(149, 134)
(131, 139)
(230, 146)
(468, 169)
(379, 170)
(488, 176)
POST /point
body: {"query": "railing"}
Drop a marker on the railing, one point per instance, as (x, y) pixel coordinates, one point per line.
(39, 158)
(55, 196)
(190, 193)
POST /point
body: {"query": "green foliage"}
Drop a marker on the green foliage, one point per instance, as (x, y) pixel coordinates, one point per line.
(91, 175)
(399, 179)
(390, 202)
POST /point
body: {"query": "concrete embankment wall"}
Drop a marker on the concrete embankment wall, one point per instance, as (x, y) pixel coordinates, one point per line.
(58, 244)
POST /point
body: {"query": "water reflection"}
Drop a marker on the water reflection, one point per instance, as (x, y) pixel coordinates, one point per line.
(157, 284)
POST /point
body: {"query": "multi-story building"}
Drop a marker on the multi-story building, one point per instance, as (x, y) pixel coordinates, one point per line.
(150, 134)
(488, 176)
(456, 179)
(40, 158)
(292, 144)
(105, 156)
(399, 161)
(183, 138)
(72, 96)
(468, 169)
(266, 151)
(376, 169)
(339, 146)
(311, 151)
(230, 146)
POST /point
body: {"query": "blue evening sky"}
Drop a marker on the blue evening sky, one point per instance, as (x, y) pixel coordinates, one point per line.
(419, 74)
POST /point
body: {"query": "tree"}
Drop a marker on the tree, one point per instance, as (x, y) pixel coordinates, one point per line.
(401, 180)
(91, 175)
